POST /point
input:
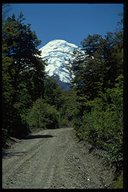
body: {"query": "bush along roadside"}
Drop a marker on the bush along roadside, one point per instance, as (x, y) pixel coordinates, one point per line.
(42, 115)
(102, 125)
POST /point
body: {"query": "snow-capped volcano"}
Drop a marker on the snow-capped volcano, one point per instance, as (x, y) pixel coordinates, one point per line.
(59, 55)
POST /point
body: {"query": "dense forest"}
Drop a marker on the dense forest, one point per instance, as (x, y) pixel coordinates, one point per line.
(31, 100)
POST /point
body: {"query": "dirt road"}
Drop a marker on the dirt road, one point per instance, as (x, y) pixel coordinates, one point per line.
(52, 159)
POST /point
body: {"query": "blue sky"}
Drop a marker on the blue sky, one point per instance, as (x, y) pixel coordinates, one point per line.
(71, 22)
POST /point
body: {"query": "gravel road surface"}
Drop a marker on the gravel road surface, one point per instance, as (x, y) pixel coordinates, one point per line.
(53, 159)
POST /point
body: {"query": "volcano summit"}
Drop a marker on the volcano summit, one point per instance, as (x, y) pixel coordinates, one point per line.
(59, 56)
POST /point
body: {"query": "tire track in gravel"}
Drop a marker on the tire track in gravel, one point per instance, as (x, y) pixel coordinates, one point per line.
(19, 155)
(52, 159)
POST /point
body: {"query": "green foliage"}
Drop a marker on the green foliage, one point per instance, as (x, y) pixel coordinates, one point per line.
(18, 39)
(118, 184)
(101, 67)
(12, 123)
(64, 101)
(103, 125)
(4, 137)
(69, 108)
(52, 93)
(42, 115)
(22, 74)
(7, 89)
(99, 86)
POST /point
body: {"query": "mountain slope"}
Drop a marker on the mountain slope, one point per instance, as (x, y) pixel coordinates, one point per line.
(59, 55)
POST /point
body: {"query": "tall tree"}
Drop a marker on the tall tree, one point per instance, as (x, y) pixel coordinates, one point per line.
(22, 67)
(53, 92)
(21, 45)
(103, 65)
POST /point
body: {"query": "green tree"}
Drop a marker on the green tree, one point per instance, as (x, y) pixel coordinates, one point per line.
(69, 108)
(42, 116)
(99, 86)
(21, 45)
(101, 67)
(52, 92)
(22, 72)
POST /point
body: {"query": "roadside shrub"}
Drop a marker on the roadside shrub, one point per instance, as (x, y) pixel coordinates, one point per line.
(69, 109)
(103, 129)
(42, 115)
(118, 183)
(4, 137)
(103, 125)
(65, 122)
(13, 124)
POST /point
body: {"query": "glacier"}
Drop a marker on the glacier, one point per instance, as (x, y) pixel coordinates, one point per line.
(59, 56)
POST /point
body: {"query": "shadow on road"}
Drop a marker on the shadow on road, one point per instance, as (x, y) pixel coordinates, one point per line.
(8, 154)
(37, 136)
